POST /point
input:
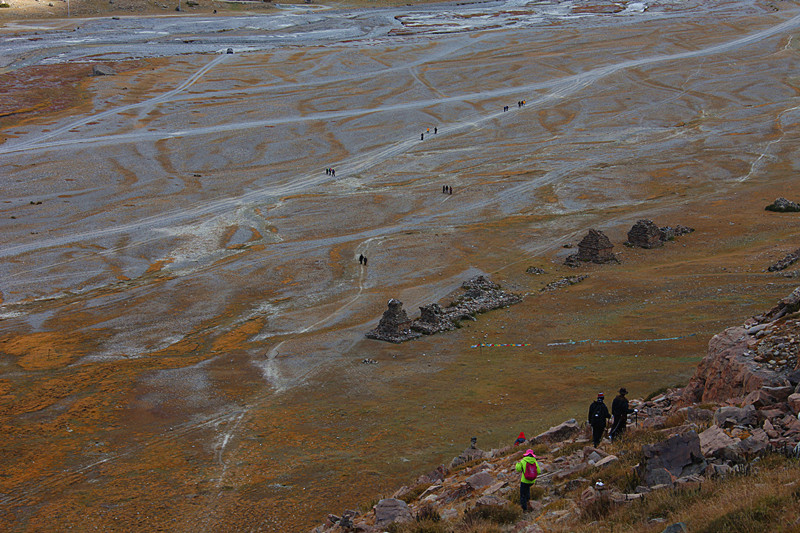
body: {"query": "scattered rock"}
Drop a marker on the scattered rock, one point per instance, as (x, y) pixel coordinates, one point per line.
(669, 233)
(782, 205)
(563, 282)
(535, 270)
(102, 70)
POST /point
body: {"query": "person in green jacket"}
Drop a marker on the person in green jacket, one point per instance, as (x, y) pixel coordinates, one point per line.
(530, 469)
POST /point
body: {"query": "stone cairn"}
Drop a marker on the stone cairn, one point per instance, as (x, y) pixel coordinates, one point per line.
(480, 295)
(594, 248)
(394, 326)
(782, 205)
(645, 234)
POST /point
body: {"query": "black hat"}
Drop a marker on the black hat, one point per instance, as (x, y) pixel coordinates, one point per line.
(623, 391)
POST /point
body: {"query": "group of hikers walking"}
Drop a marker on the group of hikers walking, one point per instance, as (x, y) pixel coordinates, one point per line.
(599, 415)
(529, 467)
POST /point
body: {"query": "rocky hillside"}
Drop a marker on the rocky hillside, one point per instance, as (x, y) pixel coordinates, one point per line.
(737, 419)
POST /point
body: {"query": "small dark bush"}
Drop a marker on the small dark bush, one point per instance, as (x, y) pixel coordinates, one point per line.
(506, 514)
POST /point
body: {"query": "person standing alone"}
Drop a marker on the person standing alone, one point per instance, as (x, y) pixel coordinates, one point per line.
(530, 469)
(620, 410)
(598, 415)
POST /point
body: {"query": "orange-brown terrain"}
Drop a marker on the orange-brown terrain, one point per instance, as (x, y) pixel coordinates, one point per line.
(182, 310)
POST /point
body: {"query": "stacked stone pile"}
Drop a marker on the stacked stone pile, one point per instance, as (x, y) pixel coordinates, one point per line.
(394, 326)
(595, 247)
(480, 295)
(645, 234)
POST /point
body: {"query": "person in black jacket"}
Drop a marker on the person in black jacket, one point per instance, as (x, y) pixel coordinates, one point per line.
(598, 416)
(620, 410)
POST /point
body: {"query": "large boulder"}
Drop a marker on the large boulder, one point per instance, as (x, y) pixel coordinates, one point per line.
(561, 432)
(676, 457)
(713, 440)
(736, 416)
(102, 70)
(794, 402)
(390, 510)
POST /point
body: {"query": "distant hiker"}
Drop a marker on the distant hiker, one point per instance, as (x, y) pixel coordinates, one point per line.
(520, 439)
(444, 188)
(620, 410)
(333, 172)
(598, 415)
(365, 260)
(505, 108)
(530, 469)
(328, 171)
(428, 131)
(361, 258)
(435, 131)
(421, 136)
(449, 190)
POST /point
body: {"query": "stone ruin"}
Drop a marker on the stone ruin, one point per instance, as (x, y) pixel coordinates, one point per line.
(480, 295)
(594, 248)
(786, 262)
(394, 326)
(782, 205)
(645, 234)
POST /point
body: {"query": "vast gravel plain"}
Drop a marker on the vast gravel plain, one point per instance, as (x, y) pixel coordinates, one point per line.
(182, 309)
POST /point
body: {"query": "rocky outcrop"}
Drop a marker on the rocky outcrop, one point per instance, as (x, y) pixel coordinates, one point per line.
(728, 370)
(782, 205)
(394, 326)
(786, 262)
(745, 359)
(788, 305)
(480, 295)
(645, 234)
(593, 248)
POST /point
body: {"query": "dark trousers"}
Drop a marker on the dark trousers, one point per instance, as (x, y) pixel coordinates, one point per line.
(524, 495)
(618, 427)
(597, 433)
